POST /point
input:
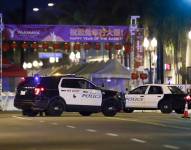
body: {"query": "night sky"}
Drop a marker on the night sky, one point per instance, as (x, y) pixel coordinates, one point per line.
(103, 12)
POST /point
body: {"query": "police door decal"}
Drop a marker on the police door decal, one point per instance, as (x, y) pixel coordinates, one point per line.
(91, 97)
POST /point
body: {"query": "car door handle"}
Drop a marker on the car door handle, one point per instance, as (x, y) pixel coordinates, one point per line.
(85, 91)
(141, 96)
(158, 96)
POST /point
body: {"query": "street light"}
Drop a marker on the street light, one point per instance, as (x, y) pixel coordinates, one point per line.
(35, 9)
(189, 35)
(150, 46)
(188, 60)
(50, 4)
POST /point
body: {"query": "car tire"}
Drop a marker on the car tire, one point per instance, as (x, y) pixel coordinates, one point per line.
(166, 107)
(179, 111)
(29, 113)
(128, 110)
(109, 109)
(55, 108)
(85, 113)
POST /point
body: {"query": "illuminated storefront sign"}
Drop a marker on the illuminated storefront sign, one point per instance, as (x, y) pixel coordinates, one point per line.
(44, 55)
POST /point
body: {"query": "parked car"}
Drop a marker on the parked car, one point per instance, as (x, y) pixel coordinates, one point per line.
(156, 96)
(54, 95)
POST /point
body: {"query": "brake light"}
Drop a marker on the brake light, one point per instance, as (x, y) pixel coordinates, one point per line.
(22, 80)
(188, 98)
(38, 90)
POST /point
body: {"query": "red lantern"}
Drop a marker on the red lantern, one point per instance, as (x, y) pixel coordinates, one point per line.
(97, 46)
(34, 45)
(5, 47)
(77, 46)
(118, 46)
(25, 45)
(66, 46)
(87, 46)
(108, 46)
(56, 46)
(134, 76)
(14, 45)
(127, 48)
(143, 76)
(45, 45)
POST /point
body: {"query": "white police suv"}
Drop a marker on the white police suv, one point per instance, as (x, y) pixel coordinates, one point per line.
(155, 96)
(54, 95)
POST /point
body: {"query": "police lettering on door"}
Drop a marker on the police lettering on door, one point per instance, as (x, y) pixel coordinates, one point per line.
(89, 95)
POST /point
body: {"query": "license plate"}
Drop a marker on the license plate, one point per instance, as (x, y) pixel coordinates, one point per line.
(23, 92)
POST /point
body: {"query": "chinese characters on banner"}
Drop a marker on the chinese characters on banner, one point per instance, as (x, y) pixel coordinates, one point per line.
(65, 33)
(138, 48)
(96, 34)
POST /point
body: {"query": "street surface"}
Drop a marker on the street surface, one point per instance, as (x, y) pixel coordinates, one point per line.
(139, 130)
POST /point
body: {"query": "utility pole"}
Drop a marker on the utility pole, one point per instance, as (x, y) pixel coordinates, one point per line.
(133, 28)
(1, 52)
(160, 60)
(24, 20)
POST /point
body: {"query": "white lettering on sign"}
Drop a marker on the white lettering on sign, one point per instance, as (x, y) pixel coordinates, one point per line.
(28, 32)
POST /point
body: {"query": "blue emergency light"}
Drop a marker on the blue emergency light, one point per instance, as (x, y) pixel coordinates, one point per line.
(37, 78)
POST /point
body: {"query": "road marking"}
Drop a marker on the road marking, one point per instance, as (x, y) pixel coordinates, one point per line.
(112, 134)
(54, 123)
(171, 147)
(138, 140)
(150, 123)
(21, 118)
(72, 127)
(91, 130)
(139, 121)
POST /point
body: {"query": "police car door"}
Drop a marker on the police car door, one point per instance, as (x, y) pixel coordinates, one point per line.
(154, 95)
(135, 98)
(74, 92)
(90, 95)
(70, 91)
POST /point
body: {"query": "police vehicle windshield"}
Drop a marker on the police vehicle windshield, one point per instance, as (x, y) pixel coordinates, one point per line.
(175, 90)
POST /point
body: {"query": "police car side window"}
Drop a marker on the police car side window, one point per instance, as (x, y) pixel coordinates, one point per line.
(70, 83)
(139, 90)
(86, 85)
(155, 90)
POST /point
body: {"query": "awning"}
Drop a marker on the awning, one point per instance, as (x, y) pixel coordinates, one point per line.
(112, 69)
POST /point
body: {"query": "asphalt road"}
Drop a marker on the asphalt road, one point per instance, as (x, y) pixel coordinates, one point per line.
(73, 132)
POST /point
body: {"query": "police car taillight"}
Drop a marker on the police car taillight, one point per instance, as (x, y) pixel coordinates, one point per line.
(38, 90)
(187, 98)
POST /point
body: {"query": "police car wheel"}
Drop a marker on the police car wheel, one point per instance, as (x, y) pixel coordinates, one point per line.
(166, 107)
(85, 113)
(55, 108)
(29, 112)
(179, 111)
(109, 110)
(128, 110)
